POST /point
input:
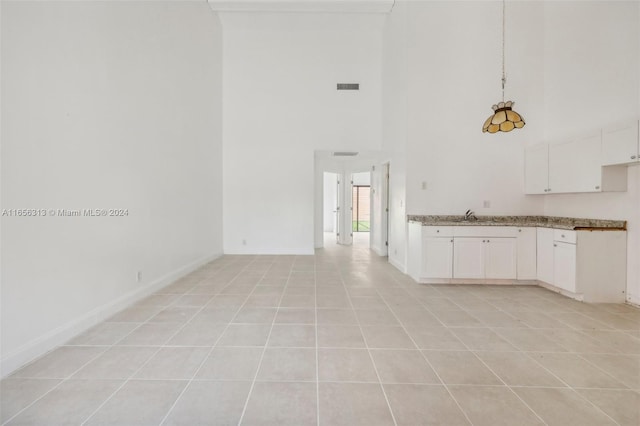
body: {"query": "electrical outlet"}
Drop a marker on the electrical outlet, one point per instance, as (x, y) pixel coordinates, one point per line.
(424, 185)
(486, 204)
(139, 276)
(244, 242)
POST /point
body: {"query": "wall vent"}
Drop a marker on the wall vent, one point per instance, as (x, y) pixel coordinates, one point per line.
(344, 154)
(348, 86)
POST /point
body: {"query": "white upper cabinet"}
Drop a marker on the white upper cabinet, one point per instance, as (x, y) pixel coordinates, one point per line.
(572, 166)
(536, 169)
(621, 144)
(575, 166)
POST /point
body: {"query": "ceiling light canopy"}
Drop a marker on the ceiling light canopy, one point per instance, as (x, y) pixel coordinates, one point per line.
(504, 118)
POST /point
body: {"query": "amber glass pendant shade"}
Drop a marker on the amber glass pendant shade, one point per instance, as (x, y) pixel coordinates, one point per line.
(504, 119)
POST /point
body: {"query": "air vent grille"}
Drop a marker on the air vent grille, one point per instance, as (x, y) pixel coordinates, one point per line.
(345, 154)
(348, 86)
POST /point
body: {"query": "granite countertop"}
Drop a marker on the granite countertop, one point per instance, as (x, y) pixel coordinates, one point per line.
(528, 221)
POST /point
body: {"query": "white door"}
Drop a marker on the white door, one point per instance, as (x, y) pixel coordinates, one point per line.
(620, 144)
(385, 210)
(500, 258)
(545, 255)
(344, 209)
(468, 257)
(564, 266)
(536, 180)
(337, 212)
(437, 257)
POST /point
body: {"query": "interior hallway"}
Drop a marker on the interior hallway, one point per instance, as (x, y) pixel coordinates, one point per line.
(341, 337)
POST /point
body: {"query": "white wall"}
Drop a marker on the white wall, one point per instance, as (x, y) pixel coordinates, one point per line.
(394, 128)
(592, 79)
(441, 74)
(104, 105)
(454, 63)
(280, 105)
(361, 178)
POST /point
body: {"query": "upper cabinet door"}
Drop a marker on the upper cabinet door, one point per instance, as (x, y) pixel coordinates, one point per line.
(620, 144)
(536, 168)
(576, 166)
(561, 165)
(587, 164)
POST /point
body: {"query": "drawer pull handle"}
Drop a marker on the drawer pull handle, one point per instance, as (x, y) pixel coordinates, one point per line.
(633, 157)
(437, 230)
(555, 245)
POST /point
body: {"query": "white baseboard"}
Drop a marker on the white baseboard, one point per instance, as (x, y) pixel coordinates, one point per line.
(398, 265)
(272, 252)
(379, 250)
(60, 335)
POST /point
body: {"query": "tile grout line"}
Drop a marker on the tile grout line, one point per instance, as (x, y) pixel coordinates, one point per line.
(107, 348)
(375, 368)
(214, 346)
(491, 370)
(315, 313)
(530, 357)
(264, 349)
(148, 359)
(464, 413)
(567, 386)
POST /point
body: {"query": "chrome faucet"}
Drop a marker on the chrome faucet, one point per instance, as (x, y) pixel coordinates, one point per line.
(470, 215)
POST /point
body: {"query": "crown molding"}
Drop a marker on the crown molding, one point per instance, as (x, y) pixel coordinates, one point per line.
(308, 6)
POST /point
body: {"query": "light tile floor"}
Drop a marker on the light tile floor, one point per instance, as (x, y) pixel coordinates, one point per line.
(339, 338)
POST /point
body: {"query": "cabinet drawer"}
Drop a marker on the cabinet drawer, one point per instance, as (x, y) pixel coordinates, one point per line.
(437, 231)
(564, 236)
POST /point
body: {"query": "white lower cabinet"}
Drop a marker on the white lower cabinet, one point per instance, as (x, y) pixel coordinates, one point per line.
(587, 265)
(449, 253)
(544, 252)
(468, 257)
(493, 258)
(564, 266)
(500, 260)
(437, 257)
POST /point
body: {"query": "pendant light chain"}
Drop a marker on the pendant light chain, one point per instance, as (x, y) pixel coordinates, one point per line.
(504, 118)
(504, 75)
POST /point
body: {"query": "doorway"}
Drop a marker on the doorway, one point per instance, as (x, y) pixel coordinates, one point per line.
(361, 208)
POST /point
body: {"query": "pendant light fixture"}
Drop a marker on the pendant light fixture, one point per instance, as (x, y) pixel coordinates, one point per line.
(504, 118)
